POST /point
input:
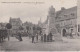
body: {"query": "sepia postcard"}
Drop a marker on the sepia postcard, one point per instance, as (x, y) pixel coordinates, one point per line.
(39, 25)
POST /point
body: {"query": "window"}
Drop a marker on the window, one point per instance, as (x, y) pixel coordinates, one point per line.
(59, 17)
(65, 15)
(72, 14)
(64, 23)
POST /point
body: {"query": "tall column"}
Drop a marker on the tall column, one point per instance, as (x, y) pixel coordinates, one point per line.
(52, 24)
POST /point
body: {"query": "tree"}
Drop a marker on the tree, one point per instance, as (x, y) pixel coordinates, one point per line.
(21, 28)
(34, 28)
(38, 28)
(8, 26)
(27, 27)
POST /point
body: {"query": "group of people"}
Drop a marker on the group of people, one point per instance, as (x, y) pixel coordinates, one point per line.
(35, 37)
(3, 35)
(43, 37)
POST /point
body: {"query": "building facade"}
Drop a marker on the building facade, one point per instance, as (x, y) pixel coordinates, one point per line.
(27, 25)
(64, 19)
(3, 25)
(16, 23)
(67, 20)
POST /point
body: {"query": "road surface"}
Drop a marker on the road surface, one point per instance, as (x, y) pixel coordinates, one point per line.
(26, 45)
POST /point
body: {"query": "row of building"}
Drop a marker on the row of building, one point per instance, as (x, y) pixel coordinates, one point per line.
(16, 24)
(56, 22)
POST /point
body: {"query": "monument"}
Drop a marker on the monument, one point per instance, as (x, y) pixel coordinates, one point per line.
(51, 24)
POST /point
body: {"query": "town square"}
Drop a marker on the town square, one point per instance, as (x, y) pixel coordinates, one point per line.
(40, 26)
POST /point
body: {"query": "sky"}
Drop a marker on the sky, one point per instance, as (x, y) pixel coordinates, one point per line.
(29, 10)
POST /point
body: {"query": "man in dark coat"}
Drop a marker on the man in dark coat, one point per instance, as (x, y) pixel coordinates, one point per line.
(42, 37)
(50, 36)
(37, 37)
(0, 36)
(45, 37)
(64, 32)
(71, 35)
(33, 38)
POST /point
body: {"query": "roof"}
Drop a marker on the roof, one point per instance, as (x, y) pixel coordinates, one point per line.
(15, 19)
(66, 14)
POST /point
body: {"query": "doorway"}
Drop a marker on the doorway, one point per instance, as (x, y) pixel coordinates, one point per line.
(64, 32)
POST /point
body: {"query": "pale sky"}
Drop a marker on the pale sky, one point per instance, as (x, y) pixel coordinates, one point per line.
(30, 11)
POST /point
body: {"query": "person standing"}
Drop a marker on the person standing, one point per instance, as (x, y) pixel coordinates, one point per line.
(45, 38)
(64, 32)
(33, 38)
(37, 37)
(71, 35)
(32, 34)
(50, 37)
(42, 37)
